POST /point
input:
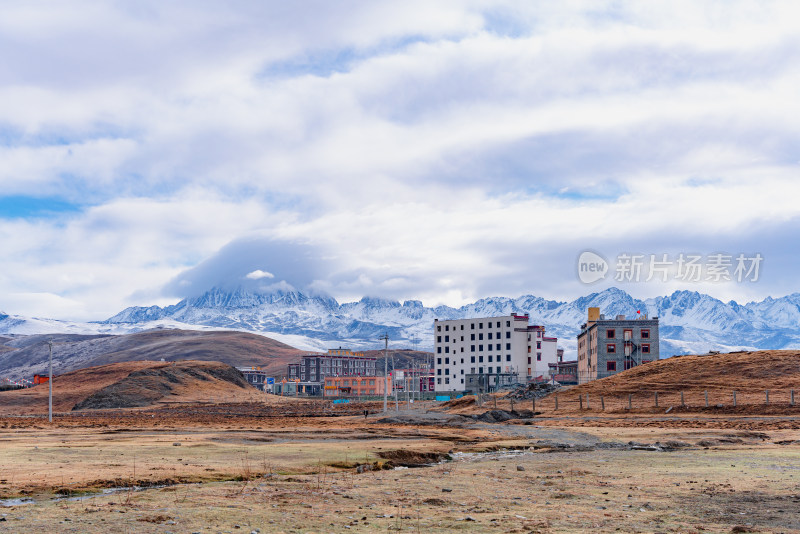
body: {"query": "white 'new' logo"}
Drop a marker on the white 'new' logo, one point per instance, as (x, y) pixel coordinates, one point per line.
(591, 267)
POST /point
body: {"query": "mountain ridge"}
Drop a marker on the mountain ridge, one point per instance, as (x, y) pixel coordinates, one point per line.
(689, 321)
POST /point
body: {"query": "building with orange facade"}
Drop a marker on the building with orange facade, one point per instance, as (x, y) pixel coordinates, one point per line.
(347, 386)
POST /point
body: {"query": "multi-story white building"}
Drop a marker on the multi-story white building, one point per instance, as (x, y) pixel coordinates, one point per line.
(491, 346)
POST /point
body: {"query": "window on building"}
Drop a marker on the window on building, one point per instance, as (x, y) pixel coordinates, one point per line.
(628, 364)
(611, 348)
(446, 339)
(462, 327)
(538, 344)
(472, 326)
(447, 361)
(490, 359)
(645, 333)
(472, 337)
(529, 360)
(508, 324)
(480, 370)
(480, 348)
(439, 381)
(645, 348)
(529, 371)
(446, 380)
(439, 350)
(480, 336)
(529, 349)
(447, 349)
(611, 333)
(472, 359)
(447, 328)
(439, 328)
(611, 366)
(480, 326)
(462, 360)
(447, 370)
(462, 338)
(472, 348)
(508, 335)
(462, 349)
(498, 369)
(497, 347)
(538, 356)
(480, 359)
(508, 357)
(438, 371)
(438, 361)
(438, 339)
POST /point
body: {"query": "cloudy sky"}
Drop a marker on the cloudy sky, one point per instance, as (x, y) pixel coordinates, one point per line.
(443, 151)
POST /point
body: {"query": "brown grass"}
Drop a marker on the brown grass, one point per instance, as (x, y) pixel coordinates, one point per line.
(71, 388)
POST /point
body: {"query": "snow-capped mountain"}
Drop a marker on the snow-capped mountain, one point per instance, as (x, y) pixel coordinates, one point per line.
(689, 321)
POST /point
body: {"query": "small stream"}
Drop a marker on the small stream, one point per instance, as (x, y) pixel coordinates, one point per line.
(7, 503)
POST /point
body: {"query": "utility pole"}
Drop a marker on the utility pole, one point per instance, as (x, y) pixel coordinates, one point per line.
(50, 382)
(394, 377)
(385, 373)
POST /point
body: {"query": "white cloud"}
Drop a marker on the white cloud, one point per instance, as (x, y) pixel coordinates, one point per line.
(441, 151)
(258, 274)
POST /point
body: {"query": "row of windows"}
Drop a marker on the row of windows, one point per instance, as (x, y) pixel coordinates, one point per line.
(611, 333)
(498, 335)
(363, 382)
(480, 359)
(472, 370)
(612, 366)
(472, 326)
(611, 348)
(480, 348)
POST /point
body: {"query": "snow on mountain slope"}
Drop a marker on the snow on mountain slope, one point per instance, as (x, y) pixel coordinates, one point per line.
(26, 326)
(690, 321)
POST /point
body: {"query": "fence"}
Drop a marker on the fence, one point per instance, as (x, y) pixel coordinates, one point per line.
(662, 400)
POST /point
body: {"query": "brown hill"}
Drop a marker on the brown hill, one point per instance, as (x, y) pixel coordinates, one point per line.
(403, 358)
(133, 384)
(76, 352)
(768, 369)
(749, 374)
(233, 348)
